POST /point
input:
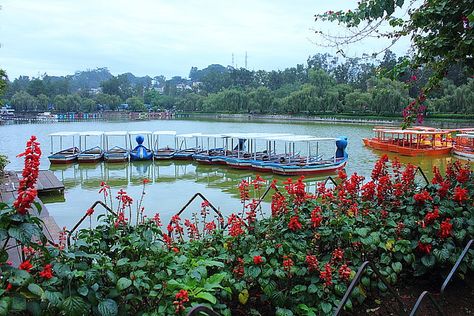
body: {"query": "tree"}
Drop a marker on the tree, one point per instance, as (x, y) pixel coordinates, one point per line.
(136, 104)
(22, 102)
(43, 102)
(441, 32)
(3, 83)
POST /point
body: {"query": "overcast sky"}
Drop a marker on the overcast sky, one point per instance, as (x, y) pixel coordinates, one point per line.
(153, 37)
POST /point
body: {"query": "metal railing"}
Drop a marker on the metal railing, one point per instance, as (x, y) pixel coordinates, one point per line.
(105, 206)
(202, 310)
(221, 217)
(445, 284)
(355, 282)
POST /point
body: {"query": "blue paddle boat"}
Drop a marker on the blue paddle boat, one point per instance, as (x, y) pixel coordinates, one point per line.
(141, 152)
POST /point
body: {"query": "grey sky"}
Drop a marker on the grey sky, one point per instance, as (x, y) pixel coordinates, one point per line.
(152, 37)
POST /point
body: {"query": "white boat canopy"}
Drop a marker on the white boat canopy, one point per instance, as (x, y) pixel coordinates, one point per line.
(61, 134)
(465, 135)
(139, 133)
(164, 133)
(91, 133)
(116, 133)
(190, 135)
(301, 138)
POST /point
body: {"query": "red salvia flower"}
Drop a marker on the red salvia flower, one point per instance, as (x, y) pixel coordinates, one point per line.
(157, 220)
(430, 217)
(344, 272)
(294, 223)
(235, 224)
(287, 264)
(257, 260)
(26, 189)
(316, 217)
(463, 175)
(337, 254)
(312, 263)
(460, 195)
(181, 298)
(210, 226)
(424, 248)
(47, 272)
(26, 265)
(422, 197)
(445, 228)
(146, 180)
(239, 268)
(326, 274)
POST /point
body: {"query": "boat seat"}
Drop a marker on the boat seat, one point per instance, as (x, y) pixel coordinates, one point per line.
(94, 151)
(117, 150)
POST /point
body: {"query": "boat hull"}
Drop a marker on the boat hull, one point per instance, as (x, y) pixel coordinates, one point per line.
(62, 160)
(303, 170)
(464, 154)
(89, 158)
(406, 151)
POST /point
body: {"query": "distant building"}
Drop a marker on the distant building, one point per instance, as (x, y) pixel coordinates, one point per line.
(160, 90)
(95, 91)
(7, 111)
(182, 87)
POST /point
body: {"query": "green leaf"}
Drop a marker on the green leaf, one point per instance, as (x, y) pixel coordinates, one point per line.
(24, 232)
(108, 307)
(122, 262)
(123, 283)
(19, 278)
(428, 260)
(35, 289)
(4, 305)
(83, 290)
(283, 312)
(18, 303)
(55, 298)
(207, 296)
(75, 306)
(326, 307)
(397, 267)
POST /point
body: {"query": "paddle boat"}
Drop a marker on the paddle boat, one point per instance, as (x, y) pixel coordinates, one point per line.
(116, 153)
(184, 152)
(292, 163)
(140, 152)
(63, 156)
(464, 145)
(242, 157)
(93, 154)
(165, 152)
(210, 152)
(419, 141)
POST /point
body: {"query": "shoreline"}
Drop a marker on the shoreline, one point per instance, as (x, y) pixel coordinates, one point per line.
(442, 123)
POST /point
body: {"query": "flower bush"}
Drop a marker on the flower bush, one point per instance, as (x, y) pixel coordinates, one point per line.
(297, 260)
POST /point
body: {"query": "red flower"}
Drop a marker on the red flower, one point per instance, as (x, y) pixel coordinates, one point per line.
(430, 217)
(157, 219)
(257, 259)
(210, 227)
(326, 274)
(294, 223)
(445, 228)
(316, 217)
(424, 248)
(239, 268)
(47, 272)
(26, 265)
(342, 175)
(181, 298)
(444, 188)
(312, 263)
(344, 272)
(146, 180)
(422, 197)
(460, 194)
(103, 189)
(9, 287)
(463, 175)
(337, 254)
(235, 224)
(89, 212)
(26, 189)
(287, 264)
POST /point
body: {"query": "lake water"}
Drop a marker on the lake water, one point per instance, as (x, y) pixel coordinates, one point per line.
(173, 183)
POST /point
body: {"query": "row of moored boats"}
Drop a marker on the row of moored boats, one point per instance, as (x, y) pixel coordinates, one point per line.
(286, 154)
(423, 141)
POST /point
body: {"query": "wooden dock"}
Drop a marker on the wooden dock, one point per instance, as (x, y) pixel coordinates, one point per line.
(47, 184)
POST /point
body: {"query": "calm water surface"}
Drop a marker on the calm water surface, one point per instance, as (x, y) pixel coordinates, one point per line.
(174, 182)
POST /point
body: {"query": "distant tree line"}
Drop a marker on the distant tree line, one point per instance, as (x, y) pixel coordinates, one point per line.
(325, 84)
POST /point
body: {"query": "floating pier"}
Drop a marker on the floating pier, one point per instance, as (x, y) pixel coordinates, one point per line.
(47, 184)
